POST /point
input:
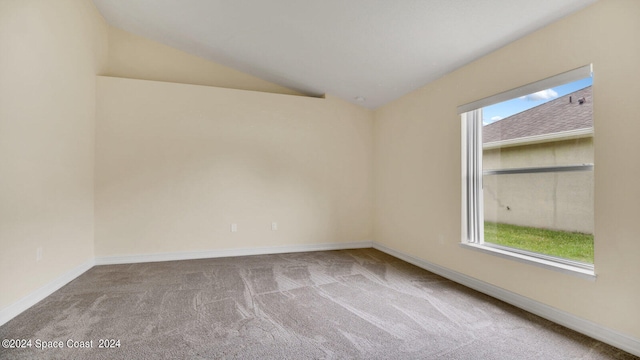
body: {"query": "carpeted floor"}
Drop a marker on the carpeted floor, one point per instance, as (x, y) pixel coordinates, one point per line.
(352, 304)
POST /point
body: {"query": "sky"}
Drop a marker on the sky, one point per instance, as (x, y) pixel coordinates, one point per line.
(495, 112)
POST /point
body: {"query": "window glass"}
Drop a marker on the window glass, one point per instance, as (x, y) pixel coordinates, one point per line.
(530, 173)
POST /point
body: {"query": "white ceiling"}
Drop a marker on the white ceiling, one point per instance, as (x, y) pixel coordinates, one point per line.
(378, 50)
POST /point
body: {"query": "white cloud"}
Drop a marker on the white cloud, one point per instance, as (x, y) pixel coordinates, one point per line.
(541, 95)
(492, 120)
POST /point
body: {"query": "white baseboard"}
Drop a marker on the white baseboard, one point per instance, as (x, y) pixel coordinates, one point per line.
(130, 259)
(28, 301)
(611, 337)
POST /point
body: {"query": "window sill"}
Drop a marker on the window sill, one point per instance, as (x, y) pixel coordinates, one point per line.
(547, 264)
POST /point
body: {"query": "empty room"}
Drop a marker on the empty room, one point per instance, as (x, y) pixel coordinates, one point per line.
(411, 179)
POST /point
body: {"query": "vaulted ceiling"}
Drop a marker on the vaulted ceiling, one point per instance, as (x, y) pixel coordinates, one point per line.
(368, 52)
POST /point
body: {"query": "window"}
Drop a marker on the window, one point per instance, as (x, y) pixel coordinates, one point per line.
(528, 172)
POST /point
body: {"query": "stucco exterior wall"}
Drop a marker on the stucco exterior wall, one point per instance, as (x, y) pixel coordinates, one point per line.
(559, 200)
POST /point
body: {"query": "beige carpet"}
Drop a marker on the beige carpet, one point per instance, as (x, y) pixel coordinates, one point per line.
(353, 304)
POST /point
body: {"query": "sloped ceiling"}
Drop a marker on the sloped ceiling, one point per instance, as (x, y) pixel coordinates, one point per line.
(368, 52)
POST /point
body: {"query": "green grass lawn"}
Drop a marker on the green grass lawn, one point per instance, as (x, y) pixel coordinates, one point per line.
(564, 244)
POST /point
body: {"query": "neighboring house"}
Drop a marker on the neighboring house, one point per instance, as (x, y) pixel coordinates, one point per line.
(559, 132)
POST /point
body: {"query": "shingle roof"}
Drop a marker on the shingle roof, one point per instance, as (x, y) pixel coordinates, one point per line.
(551, 117)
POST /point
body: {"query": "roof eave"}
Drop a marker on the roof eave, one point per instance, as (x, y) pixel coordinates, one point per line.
(538, 139)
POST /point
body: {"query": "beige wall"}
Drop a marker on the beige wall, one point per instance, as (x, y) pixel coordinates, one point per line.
(560, 201)
(136, 57)
(303, 162)
(50, 52)
(418, 164)
(177, 164)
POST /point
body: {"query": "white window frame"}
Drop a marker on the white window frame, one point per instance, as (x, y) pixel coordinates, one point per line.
(472, 173)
